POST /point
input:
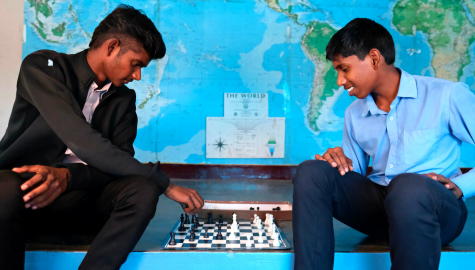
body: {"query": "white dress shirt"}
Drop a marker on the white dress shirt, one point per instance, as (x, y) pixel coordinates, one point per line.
(94, 96)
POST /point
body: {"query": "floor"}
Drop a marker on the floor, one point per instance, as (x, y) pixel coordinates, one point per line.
(168, 212)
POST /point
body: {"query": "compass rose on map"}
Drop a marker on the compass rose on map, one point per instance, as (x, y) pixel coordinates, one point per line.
(219, 144)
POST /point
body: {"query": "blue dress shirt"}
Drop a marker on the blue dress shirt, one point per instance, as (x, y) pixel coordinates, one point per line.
(422, 132)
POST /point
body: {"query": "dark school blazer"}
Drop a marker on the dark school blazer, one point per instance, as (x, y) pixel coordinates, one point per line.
(47, 119)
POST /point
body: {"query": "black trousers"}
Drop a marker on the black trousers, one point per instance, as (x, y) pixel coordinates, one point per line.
(120, 211)
(416, 213)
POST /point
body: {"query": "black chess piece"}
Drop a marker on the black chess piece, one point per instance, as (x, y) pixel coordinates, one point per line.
(210, 218)
(192, 235)
(182, 225)
(193, 219)
(219, 236)
(187, 219)
(220, 219)
(206, 233)
(197, 223)
(276, 209)
(257, 208)
(251, 208)
(172, 239)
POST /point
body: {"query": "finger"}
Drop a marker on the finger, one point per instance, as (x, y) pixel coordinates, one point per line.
(40, 199)
(343, 159)
(330, 160)
(26, 169)
(49, 199)
(341, 168)
(191, 205)
(35, 192)
(318, 157)
(197, 202)
(350, 163)
(200, 198)
(40, 176)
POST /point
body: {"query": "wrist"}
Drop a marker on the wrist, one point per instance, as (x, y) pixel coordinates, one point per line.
(169, 188)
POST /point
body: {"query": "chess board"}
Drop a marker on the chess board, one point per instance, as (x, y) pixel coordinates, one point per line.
(211, 243)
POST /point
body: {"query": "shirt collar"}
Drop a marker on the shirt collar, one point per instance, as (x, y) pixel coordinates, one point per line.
(105, 88)
(407, 89)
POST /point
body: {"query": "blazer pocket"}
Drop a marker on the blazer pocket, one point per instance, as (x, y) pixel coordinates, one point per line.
(419, 145)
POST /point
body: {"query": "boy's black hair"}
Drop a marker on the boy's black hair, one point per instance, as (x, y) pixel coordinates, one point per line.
(358, 37)
(132, 28)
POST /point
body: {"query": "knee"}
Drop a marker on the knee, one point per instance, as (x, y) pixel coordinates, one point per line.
(11, 195)
(141, 193)
(312, 172)
(407, 195)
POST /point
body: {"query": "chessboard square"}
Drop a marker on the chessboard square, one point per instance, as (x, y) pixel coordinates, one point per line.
(246, 232)
(178, 245)
(262, 245)
(244, 222)
(187, 241)
(257, 230)
(244, 241)
(208, 225)
(218, 246)
(180, 236)
(206, 238)
(245, 228)
(219, 241)
(233, 245)
(232, 241)
(199, 245)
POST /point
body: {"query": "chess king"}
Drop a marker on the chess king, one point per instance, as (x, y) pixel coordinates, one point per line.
(412, 128)
(66, 159)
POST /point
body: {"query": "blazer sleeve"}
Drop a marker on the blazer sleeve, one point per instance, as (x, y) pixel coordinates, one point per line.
(38, 84)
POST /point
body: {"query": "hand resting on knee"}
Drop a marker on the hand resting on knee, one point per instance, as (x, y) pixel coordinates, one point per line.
(337, 158)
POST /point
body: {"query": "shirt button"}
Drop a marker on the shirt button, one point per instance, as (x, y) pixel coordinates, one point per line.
(391, 118)
(391, 166)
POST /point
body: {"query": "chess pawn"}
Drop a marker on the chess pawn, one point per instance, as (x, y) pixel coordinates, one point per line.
(259, 224)
(260, 240)
(255, 219)
(248, 243)
(266, 222)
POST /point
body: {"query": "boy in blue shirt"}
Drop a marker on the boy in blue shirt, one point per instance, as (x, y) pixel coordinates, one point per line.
(412, 127)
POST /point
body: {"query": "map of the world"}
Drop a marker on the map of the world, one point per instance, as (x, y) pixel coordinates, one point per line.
(259, 46)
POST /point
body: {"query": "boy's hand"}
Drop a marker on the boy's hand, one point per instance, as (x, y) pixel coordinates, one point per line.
(447, 183)
(337, 158)
(50, 183)
(185, 195)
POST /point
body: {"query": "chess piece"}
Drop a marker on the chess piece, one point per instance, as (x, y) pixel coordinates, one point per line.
(249, 242)
(274, 233)
(259, 224)
(266, 222)
(260, 240)
(197, 223)
(193, 219)
(253, 222)
(187, 219)
(219, 236)
(232, 236)
(182, 225)
(172, 241)
(210, 218)
(192, 236)
(206, 233)
(220, 218)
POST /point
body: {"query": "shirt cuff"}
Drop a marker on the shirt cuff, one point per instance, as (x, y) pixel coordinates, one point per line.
(466, 182)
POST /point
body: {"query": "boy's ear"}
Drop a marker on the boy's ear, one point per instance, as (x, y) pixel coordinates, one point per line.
(112, 44)
(376, 58)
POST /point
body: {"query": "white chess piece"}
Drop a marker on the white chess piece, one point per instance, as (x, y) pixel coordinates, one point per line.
(255, 219)
(276, 242)
(232, 236)
(260, 240)
(267, 219)
(274, 232)
(248, 243)
(259, 224)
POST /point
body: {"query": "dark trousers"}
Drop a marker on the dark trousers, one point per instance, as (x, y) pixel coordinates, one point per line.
(418, 215)
(120, 211)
